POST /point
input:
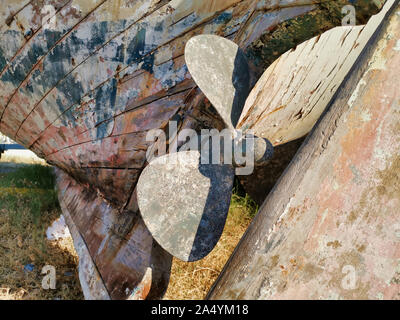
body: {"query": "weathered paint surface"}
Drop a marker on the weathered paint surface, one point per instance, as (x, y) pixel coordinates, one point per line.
(330, 229)
(83, 92)
(123, 259)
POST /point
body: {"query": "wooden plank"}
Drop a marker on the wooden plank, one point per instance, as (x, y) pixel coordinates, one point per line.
(329, 229)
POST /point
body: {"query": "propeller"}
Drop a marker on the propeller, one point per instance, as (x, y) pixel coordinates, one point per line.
(185, 203)
(184, 197)
(284, 105)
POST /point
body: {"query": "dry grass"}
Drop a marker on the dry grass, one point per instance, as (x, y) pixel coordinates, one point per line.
(192, 281)
(28, 206)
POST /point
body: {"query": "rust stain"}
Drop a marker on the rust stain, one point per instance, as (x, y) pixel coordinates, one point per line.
(334, 244)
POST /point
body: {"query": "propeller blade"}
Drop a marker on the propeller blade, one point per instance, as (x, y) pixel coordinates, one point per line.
(219, 68)
(184, 203)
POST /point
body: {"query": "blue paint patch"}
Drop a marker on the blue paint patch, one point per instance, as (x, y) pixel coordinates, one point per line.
(159, 26)
(136, 47)
(98, 35)
(29, 267)
(148, 63)
(52, 37)
(72, 89)
(223, 18)
(52, 74)
(28, 34)
(120, 55)
(59, 103)
(106, 97)
(20, 69)
(61, 52)
(102, 129)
